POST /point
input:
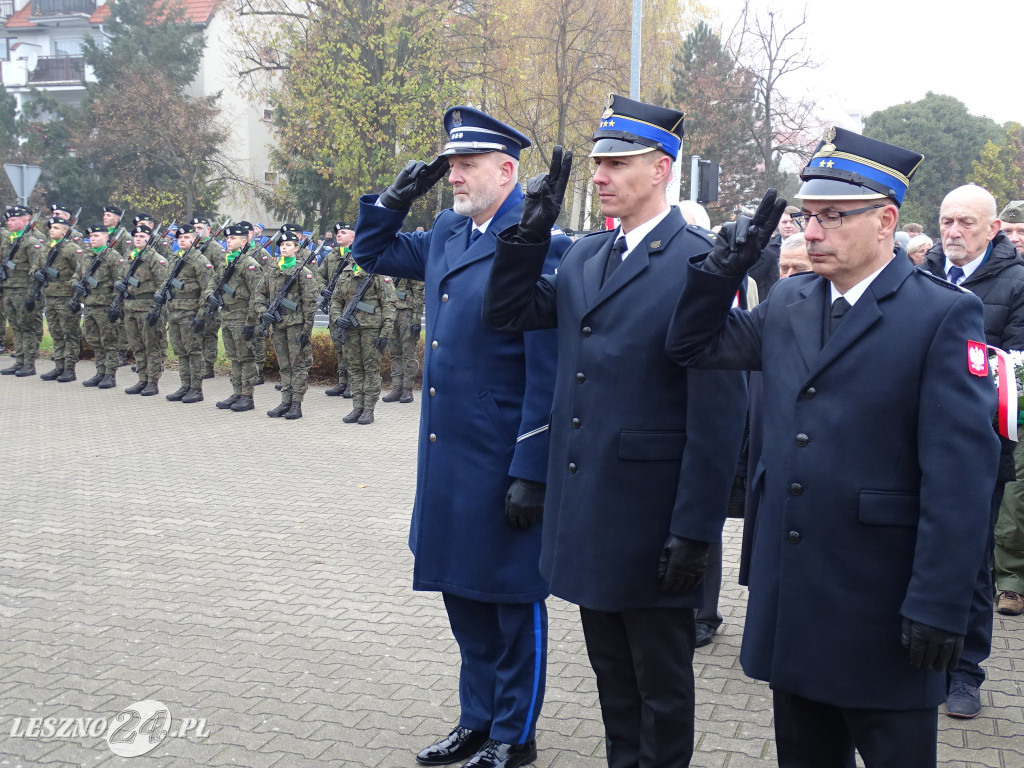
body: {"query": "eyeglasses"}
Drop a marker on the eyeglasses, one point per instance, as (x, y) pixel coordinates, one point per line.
(830, 219)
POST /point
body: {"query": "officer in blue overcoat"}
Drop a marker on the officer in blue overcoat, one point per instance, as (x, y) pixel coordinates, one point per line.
(483, 436)
(643, 451)
(878, 462)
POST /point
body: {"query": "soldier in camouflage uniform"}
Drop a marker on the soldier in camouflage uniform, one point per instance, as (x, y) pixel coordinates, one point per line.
(186, 316)
(327, 269)
(215, 255)
(404, 338)
(64, 323)
(148, 342)
(98, 289)
(238, 318)
(292, 326)
(4, 238)
(121, 242)
(268, 264)
(27, 325)
(366, 337)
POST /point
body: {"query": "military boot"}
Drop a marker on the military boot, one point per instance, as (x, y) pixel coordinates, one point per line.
(244, 403)
(295, 412)
(406, 396)
(179, 393)
(28, 369)
(259, 379)
(109, 381)
(353, 417)
(52, 375)
(93, 381)
(136, 388)
(366, 417)
(122, 359)
(12, 370)
(225, 404)
(347, 393)
(394, 395)
(193, 396)
(336, 390)
(280, 410)
(150, 390)
(209, 372)
(68, 375)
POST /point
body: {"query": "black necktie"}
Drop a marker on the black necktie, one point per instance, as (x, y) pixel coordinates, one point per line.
(614, 257)
(839, 309)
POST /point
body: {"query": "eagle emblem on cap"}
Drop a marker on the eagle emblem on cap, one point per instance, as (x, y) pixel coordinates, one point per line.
(828, 138)
(457, 117)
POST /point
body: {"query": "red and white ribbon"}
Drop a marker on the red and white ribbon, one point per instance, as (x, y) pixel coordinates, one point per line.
(1006, 381)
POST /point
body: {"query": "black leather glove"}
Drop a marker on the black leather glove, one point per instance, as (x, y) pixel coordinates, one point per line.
(682, 565)
(415, 329)
(79, 289)
(544, 193)
(931, 648)
(739, 243)
(271, 317)
(303, 340)
(121, 286)
(30, 304)
(381, 343)
(343, 323)
(524, 503)
(413, 181)
(214, 303)
(198, 324)
(248, 331)
(39, 276)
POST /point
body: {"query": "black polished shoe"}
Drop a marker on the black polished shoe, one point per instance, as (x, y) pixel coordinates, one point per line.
(353, 416)
(495, 754)
(458, 745)
(225, 404)
(177, 394)
(279, 410)
(193, 396)
(705, 633)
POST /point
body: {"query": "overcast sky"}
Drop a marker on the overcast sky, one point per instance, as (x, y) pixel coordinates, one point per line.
(877, 53)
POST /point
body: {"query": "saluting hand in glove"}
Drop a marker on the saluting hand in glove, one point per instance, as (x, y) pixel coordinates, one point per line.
(740, 242)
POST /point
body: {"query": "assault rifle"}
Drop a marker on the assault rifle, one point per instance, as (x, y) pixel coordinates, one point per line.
(129, 281)
(43, 276)
(8, 264)
(216, 299)
(282, 300)
(172, 283)
(82, 288)
(347, 318)
(327, 292)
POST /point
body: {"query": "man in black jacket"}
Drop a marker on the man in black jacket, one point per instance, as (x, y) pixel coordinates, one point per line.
(973, 252)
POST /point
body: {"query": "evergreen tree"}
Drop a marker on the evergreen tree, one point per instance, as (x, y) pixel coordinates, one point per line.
(1000, 169)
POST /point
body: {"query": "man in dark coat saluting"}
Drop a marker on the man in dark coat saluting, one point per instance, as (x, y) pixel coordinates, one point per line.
(483, 436)
(878, 463)
(643, 451)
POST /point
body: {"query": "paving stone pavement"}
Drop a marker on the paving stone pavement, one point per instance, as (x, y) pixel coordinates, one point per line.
(254, 573)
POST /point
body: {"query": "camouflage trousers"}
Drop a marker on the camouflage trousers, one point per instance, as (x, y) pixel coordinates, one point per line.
(148, 343)
(339, 349)
(294, 359)
(3, 320)
(259, 350)
(123, 345)
(363, 361)
(239, 352)
(188, 346)
(65, 326)
(210, 350)
(402, 350)
(26, 326)
(102, 337)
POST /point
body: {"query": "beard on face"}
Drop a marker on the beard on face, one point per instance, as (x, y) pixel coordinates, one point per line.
(955, 248)
(476, 201)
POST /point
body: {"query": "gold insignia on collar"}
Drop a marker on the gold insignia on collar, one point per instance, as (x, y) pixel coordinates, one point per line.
(655, 244)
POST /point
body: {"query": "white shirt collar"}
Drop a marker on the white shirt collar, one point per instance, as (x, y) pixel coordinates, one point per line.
(483, 227)
(858, 290)
(969, 267)
(636, 235)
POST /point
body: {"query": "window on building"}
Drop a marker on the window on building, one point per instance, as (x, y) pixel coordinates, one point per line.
(69, 47)
(268, 115)
(270, 178)
(5, 49)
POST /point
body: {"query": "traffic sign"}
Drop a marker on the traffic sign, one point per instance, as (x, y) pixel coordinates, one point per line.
(23, 179)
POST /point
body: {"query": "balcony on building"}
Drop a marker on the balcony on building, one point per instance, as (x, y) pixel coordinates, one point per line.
(52, 70)
(49, 11)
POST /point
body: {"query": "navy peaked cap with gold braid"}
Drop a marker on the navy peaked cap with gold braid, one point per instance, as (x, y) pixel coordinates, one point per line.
(848, 166)
(632, 127)
(472, 132)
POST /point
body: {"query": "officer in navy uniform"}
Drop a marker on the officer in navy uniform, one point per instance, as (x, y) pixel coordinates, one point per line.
(878, 462)
(483, 436)
(643, 451)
